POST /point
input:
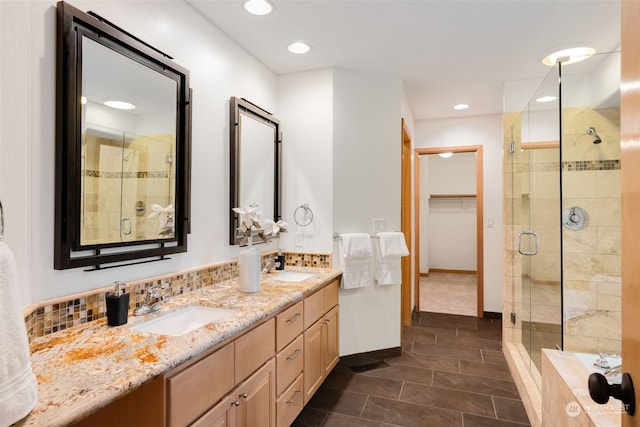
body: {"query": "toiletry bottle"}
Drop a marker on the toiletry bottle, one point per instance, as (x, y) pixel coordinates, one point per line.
(280, 261)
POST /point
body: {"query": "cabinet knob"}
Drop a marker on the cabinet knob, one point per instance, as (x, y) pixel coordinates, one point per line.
(244, 395)
(235, 403)
(600, 390)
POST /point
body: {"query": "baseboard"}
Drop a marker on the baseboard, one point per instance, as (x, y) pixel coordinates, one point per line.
(492, 315)
(368, 357)
(446, 270)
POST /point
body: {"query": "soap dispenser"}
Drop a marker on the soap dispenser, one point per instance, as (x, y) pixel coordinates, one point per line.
(249, 268)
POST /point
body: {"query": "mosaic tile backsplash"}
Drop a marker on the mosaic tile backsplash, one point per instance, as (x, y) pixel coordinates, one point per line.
(48, 317)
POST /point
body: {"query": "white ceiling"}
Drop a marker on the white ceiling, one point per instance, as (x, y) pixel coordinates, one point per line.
(446, 52)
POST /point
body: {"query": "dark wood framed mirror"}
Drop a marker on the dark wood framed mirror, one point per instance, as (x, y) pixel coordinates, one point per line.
(256, 163)
(123, 149)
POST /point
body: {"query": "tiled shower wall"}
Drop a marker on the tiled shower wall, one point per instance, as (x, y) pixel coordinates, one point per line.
(123, 180)
(591, 180)
(592, 261)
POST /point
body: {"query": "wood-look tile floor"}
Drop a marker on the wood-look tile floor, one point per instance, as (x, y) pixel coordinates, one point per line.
(451, 373)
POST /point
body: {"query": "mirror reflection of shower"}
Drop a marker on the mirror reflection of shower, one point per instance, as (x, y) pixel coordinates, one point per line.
(592, 131)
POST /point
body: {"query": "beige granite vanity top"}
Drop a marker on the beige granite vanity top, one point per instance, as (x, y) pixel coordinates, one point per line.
(84, 368)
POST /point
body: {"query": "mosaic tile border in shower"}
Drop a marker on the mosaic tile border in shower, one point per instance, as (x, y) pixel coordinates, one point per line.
(575, 166)
(48, 317)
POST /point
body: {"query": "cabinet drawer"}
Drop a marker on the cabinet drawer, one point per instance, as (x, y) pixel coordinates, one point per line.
(193, 390)
(331, 295)
(313, 308)
(289, 324)
(289, 364)
(290, 404)
(254, 348)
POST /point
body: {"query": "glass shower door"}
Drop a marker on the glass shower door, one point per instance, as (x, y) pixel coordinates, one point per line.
(539, 244)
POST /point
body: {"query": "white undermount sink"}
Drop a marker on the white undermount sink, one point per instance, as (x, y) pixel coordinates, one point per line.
(290, 276)
(183, 321)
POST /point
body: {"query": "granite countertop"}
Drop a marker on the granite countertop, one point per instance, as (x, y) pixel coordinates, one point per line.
(84, 368)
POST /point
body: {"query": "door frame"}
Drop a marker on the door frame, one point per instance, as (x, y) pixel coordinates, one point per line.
(406, 309)
(477, 149)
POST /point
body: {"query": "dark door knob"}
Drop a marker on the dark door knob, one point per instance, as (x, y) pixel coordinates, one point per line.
(600, 390)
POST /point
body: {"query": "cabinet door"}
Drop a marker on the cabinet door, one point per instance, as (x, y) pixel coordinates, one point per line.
(257, 397)
(313, 364)
(221, 415)
(330, 337)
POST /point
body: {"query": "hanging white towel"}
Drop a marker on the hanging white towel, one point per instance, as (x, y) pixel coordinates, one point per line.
(390, 249)
(18, 385)
(356, 255)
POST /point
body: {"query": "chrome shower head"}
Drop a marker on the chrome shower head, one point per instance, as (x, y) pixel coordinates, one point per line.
(592, 131)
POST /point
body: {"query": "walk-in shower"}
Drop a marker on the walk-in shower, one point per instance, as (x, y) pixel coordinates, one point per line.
(562, 217)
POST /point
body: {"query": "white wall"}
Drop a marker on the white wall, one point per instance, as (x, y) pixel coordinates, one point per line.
(367, 185)
(451, 223)
(219, 69)
(485, 131)
(305, 108)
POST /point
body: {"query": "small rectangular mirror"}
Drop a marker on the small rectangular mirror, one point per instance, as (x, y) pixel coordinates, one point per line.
(255, 162)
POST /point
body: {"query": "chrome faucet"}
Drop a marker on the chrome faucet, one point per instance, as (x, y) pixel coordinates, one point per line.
(269, 265)
(152, 301)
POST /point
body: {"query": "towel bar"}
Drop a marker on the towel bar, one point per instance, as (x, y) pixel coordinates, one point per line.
(336, 236)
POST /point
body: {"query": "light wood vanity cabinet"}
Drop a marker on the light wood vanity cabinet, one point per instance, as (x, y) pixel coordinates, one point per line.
(321, 338)
(194, 389)
(262, 378)
(252, 403)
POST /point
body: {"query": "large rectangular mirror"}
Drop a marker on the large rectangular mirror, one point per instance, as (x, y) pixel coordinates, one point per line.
(255, 162)
(123, 150)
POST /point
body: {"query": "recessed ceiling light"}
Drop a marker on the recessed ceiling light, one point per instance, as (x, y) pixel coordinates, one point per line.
(119, 105)
(547, 98)
(446, 154)
(461, 107)
(298, 48)
(258, 7)
(569, 56)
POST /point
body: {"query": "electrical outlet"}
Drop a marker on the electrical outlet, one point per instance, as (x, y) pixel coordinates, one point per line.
(299, 239)
(378, 225)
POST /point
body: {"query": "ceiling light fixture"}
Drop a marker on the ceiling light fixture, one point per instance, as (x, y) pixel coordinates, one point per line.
(547, 98)
(299, 48)
(258, 7)
(446, 154)
(119, 105)
(461, 106)
(569, 56)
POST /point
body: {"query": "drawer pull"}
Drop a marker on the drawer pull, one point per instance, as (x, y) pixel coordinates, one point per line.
(235, 403)
(243, 395)
(294, 355)
(292, 401)
(294, 318)
(325, 321)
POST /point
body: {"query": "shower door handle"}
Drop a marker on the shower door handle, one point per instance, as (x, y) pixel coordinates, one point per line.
(535, 243)
(126, 226)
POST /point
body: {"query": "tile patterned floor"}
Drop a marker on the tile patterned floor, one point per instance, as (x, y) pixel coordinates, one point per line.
(451, 293)
(451, 373)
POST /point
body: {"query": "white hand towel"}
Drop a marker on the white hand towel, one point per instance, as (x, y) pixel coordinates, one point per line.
(355, 260)
(18, 385)
(356, 245)
(390, 249)
(392, 243)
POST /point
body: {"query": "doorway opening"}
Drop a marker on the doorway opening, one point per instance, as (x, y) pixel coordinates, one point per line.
(455, 211)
